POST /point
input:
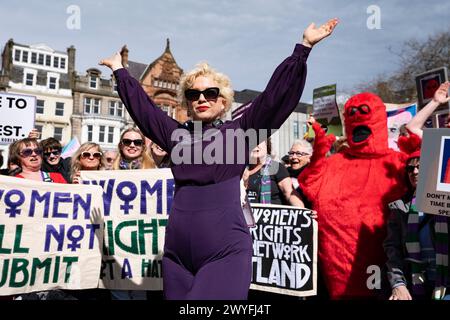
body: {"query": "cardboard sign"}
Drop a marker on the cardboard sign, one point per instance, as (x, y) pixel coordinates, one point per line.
(284, 250)
(17, 114)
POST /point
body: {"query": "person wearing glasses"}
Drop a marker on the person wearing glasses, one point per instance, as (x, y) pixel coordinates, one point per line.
(299, 156)
(28, 155)
(132, 155)
(208, 247)
(133, 151)
(416, 246)
(52, 158)
(110, 157)
(89, 156)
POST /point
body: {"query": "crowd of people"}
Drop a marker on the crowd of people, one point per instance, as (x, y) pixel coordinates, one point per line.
(362, 193)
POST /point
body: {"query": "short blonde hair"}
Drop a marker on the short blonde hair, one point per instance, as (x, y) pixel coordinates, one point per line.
(203, 69)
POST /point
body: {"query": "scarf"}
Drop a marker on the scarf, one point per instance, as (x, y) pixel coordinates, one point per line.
(265, 190)
(125, 165)
(418, 266)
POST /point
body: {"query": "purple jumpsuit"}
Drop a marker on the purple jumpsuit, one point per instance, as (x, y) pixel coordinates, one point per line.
(208, 247)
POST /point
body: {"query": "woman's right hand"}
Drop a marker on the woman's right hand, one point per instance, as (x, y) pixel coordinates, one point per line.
(114, 62)
(400, 293)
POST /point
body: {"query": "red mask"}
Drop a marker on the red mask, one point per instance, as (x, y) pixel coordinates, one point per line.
(366, 125)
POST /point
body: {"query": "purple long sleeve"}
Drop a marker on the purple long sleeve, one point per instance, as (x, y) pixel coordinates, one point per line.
(282, 94)
(268, 111)
(152, 121)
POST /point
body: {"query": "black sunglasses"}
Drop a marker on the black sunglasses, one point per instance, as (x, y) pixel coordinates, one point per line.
(128, 142)
(410, 169)
(54, 152)
(109, 159)
(209, 94)
(28, 152)
(87, 154)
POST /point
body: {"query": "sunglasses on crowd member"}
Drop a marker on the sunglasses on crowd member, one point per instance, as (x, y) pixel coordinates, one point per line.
(209, 94)
(53, 152)
(136, 142)
(298, 153)
(28, 152)
(87, 154)
(109, 159)
(410, 168)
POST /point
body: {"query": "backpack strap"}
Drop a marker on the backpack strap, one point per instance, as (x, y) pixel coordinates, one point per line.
(46, 177)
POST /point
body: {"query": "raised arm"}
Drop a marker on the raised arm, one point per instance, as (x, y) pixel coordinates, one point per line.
(415, 125)
(282, 94)
(153, 122)
(311, 177)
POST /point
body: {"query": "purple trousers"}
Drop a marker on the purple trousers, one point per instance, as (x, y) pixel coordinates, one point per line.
(208, 247)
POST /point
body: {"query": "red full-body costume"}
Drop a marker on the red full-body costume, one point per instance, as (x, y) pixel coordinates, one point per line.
(350, 191)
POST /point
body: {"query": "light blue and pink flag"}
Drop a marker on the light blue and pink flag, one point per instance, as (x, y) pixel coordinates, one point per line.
(70, 148)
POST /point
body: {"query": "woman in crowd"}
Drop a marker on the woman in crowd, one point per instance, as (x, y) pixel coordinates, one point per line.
(416, 246)
(161, 157)
(89, 156)
(132, 155)
(133, 152)
(207, 238)
(28, 154)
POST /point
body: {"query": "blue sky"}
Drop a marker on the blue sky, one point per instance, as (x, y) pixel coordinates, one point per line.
(246, 39)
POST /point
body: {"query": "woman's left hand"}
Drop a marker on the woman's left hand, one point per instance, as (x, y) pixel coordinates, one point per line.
(312, 34)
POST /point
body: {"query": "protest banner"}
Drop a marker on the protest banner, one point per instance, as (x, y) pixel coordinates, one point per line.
(284, 250)
(136, 206)
(433, 189)
(325, 109)
(398, 115)
(16, 116)
(50, 236)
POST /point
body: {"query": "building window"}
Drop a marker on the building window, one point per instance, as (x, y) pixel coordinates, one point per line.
(296, 130)
(89, 132)
(17, 55)
(57, 134)
(25, 56)
(63, 63)
(115, 108)
(41, 59)
(110, 134)
(29, 79)
(101, 134)
(55, 62)
(48, 60)
(93, 82)
(40, 106)
(39, 129)
(33, 57)
(91, 105)
(52, 83)
(112, 108)
(114, 86)
(59, 111)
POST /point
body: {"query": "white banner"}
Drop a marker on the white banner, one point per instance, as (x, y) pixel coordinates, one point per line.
(17, 114)
(50, 236)
(136, 205)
